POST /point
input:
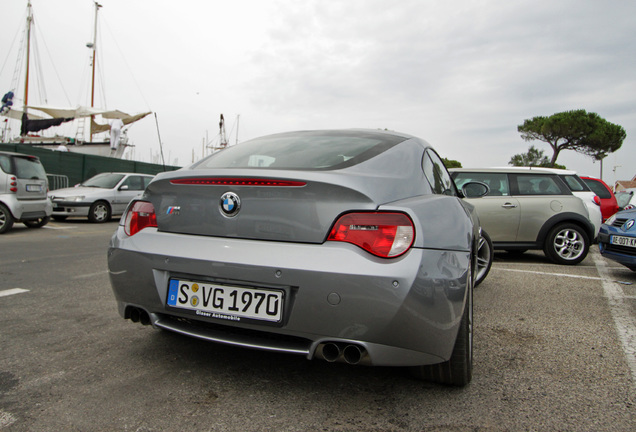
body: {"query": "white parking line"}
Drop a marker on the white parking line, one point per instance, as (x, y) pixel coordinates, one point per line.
(89, 275)
(625, 324)
(12, 291)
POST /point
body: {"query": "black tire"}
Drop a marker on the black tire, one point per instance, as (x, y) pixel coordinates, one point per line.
(6, 219)
(60, 218)
(566, 244)
(99, 212)
(484, 257)
(458, 370)
(37, 223)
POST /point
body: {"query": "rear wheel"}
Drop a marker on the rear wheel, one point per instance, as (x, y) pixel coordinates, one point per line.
(37, 223)
(99, 212)
(6, 219)
(567, 244)
(484, 257)
(458, 370)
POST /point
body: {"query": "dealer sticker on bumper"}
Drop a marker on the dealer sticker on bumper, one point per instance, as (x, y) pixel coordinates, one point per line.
(222, 301)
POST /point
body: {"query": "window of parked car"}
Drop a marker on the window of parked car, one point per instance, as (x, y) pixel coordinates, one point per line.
(532, 184)
(134, 183)
(437, 174)
(497, 182)
(574, 183)
(5, 164)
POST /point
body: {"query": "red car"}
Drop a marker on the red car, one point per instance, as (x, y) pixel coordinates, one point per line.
(609, 206)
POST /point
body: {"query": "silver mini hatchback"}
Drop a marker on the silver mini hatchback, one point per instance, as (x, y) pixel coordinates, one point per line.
(23, 187)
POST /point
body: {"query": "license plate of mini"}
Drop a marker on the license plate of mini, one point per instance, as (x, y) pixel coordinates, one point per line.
(624, 241)
(226, 302)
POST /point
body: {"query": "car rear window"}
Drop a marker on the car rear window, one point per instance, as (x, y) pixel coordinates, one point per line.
(598, 188)
(623, 198)
(314, 150)
(29, 168)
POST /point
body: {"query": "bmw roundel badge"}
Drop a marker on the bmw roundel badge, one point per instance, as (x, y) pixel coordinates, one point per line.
(230, 204)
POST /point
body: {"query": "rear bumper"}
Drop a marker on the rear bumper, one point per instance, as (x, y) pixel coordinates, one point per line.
(402, 312)
(27, 209)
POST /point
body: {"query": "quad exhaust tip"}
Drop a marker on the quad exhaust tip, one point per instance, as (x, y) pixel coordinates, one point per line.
(138, 315)
(343, 352)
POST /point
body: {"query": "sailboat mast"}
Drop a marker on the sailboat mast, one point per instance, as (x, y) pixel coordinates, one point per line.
(28, 54)
(94, 61)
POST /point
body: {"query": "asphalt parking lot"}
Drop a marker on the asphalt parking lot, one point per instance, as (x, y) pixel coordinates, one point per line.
(555, 349)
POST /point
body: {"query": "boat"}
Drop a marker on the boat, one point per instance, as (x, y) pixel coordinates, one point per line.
(98, 131)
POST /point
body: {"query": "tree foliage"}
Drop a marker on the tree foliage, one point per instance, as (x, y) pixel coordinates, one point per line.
(533, 158)
(578, 130)
(450, 163)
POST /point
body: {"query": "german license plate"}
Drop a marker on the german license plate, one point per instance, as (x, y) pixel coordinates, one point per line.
(33, 188)
(624, 241)
(226, 302)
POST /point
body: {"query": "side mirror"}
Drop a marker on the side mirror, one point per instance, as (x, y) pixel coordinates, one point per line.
(123, 187)
(475, 189)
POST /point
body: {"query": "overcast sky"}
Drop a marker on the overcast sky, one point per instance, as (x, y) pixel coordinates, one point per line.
(460, 74)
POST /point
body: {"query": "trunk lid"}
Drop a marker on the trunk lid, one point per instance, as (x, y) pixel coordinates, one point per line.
(277, 206)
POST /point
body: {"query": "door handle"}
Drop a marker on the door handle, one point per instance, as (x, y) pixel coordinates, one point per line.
(509, 206)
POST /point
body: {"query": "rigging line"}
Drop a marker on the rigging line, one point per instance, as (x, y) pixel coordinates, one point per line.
(6, 60)
(160, 144)
(127, 65)
(37, 65)
(48, 52)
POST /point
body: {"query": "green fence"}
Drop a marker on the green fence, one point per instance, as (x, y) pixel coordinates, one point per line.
(78, 167)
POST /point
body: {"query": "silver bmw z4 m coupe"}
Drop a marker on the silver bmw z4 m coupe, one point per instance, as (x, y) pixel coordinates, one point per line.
(343, 245)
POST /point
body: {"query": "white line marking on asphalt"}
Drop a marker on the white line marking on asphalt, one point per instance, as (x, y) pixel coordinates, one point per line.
(561, 275)
(12, 291)
(551, 274)
(625, 324)
(90, 275)
(6, 419)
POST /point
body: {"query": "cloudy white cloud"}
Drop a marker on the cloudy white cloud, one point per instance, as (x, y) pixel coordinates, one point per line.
(461, 75)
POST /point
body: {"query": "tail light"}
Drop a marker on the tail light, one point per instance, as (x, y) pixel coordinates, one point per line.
(13, 184)
(597, 200)
(141, 215)
(384, 234)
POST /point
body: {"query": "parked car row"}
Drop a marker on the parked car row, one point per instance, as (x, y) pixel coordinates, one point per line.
(536, 208)
(24, 195)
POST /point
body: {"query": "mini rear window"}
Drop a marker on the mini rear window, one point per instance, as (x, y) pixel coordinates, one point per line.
(314, 150)
(29, 168)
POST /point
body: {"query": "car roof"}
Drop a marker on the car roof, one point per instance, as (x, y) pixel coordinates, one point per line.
(538, 170)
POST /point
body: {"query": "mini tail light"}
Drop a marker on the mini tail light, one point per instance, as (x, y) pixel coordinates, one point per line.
(384, 234)
(141, 215)
(597, 200)
(13, 183)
